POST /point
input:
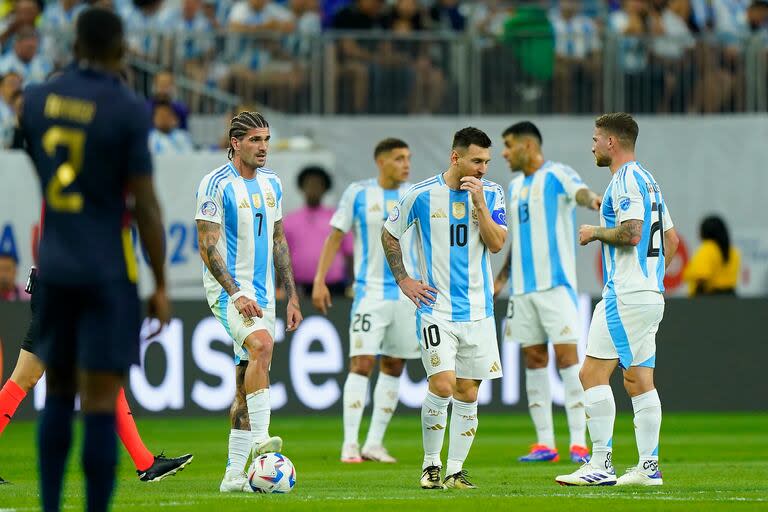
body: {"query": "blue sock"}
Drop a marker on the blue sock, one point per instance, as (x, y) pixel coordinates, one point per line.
(54, 440)
(99, 459)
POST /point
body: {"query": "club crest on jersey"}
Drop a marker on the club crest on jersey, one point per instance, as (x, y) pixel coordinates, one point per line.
(459, 210)
(524, 193)
(256, 198)
(434, 359)
(394, 214)
(208, 209)
(270, 200)
(624, 203)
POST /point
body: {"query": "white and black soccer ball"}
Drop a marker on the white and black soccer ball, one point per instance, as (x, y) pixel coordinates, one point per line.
(272, 473)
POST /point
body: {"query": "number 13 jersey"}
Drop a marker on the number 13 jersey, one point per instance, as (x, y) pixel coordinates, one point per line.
(635, 273)
(452, 256)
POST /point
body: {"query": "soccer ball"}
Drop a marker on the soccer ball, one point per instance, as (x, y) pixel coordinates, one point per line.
(272, 473)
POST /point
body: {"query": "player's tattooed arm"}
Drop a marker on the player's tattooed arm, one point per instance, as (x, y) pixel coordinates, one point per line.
(208, 234)
(394, 254)
(588, 199)
(627, 234)
(282, 257)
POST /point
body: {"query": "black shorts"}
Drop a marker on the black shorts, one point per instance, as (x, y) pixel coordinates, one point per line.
(93, 328)
(33, 331)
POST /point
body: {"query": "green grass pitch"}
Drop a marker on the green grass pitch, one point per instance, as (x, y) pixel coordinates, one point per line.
(709, 461)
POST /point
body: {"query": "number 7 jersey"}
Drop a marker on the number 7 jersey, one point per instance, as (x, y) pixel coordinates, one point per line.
(635, 273)
(452, 256)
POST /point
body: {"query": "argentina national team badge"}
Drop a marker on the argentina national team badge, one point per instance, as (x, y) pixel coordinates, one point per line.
(208, 209)
(394, 214)
(270, 200)
(524, 193)
(256, 198)
(459, 210)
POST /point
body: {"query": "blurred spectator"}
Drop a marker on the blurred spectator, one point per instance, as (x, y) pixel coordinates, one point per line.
(673, 51)
(357, 58)
(166, 138)
(164, 88)
(24, 16)
(308, 227)
(209, 11)
(714, 268)
(10, 85)
(445, 15)
(577, 60)
(411, 61)
(24, 58)
(57, 29)
(9, 289)
(143, 26)
(308, 23)
(757, 16)
(261, 68)
(329, 8)
(731, 20)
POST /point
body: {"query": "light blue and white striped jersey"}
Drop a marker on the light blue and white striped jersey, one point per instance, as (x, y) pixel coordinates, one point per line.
(542, 210)
(364, 207)
(175, 143)
(33, 72)
(628, 271)
(57, 30)
(452, 256)
(247, 211)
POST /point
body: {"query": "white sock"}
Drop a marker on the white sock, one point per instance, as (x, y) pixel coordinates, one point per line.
(434, 420)
(355, 390)
(574, 405)
(540, 405)
(239, 450)
(259, 412)
(647, 409)
(385, 396)
(463, 430)
(601, 411)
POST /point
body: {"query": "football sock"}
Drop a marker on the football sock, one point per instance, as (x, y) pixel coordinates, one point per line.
(129, 434)
(463, 430)
(54, 440)
(99, 459)
(240, 442)
(540, 405)
(10, 397)
(434, 420)
(385, 396)
(355, 390)
(601, 413)
(259, 412)
(647, 409)
(574, 405)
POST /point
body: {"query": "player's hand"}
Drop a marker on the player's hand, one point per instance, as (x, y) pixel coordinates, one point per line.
(475, 188)
(596, 203)
(158, 307)
(293, 315)
(321, 297)
(419, 293)
(247, 307)
(586, 234)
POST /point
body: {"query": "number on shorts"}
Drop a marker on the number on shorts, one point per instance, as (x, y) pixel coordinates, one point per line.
(510, 310)
(361, 323)
(431, 336)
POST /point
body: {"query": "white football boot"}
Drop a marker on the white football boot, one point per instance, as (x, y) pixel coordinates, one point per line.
(588, 474)
(270, 445)
(235, 481)
(638, 475)
(377, 453)
(350, 453)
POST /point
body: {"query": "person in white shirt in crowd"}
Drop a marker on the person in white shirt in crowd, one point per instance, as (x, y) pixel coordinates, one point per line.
(24, 58)
(57, 29)
(143, 25)
(166, 138)
(10, 85)
(24, 15)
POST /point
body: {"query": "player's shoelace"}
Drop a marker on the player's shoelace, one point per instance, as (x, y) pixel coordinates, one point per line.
(462, 477)
(433, 472)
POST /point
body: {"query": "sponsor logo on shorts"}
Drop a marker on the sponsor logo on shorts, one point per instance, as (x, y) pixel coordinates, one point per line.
(566, 331)
(434, 359)
(495, 367)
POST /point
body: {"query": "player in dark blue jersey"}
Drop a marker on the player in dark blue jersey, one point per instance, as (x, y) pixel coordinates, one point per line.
(87, 135)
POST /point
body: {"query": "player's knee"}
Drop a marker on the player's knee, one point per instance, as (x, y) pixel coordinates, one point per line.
(442, 386)
(536, 358)
(260, 349)
(362, 365)
(565, 360)
(392, 366)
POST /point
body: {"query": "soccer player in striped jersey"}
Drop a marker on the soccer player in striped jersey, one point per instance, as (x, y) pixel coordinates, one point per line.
(381, 321)
(241, 239)
(459, 218)
(541, 270)
(638, 242)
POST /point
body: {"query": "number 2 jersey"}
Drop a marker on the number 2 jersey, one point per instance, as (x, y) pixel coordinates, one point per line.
(86, 133)
(452, 256)
(635, 273)
(246, 210)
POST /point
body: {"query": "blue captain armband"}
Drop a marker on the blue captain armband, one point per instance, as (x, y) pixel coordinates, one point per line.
(499, 217)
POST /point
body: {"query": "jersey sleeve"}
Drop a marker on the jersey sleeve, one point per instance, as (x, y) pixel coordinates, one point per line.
(402, 215)
(570, 180)
(139, 159)
(209, 203)
(279, 201)
(344, 215)
(498, 206)
(628, 200)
